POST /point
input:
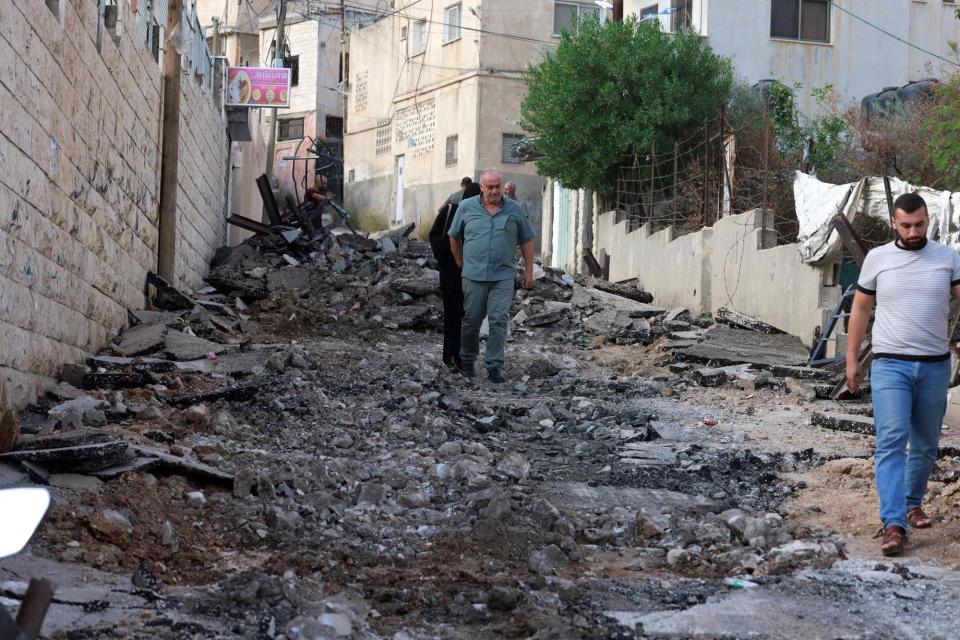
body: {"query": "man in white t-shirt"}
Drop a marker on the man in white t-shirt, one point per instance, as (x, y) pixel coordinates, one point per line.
(910, 281)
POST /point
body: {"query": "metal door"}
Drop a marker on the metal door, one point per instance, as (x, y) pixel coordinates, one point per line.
(398, 196)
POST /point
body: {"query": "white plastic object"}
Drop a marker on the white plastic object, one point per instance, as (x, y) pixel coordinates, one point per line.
(21, 511)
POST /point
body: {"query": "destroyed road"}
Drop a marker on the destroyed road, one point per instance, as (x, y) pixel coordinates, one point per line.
(289, 459)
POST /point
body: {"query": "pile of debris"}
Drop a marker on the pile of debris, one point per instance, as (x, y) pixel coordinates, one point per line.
(283, 443)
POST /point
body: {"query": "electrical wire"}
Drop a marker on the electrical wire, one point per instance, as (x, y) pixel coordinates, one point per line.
(895, 37)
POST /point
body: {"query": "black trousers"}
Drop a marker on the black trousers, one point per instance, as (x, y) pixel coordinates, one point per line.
(451, 289)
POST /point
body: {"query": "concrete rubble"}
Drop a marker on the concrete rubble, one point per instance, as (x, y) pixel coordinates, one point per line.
(286, 457)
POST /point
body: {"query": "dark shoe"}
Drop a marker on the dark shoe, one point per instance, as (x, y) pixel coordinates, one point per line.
(468, 370)
(893, 538)
(496, 375)
(918, 519)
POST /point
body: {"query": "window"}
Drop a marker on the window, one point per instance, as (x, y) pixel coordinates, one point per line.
(351, 175)
(293, 63)
(451, 23)
(681, 15)
(334, 127)
(290, 129)
(649, 13)
(418, 37)
(54, 6)
(508, 154)
(800, 20)
(403, 33)
(453, 151)
(383, 144)
(565, 12)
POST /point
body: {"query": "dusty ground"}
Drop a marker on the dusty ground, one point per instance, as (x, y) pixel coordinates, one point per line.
(377, 495)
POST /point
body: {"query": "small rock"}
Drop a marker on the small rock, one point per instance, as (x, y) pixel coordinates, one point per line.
(277, 362)
(198, 414)
(150, 413)
(499, 508)
(373, 493)
(169, 537)
(94, 418)
(503, 599)
(196, 499)
(514, 466)
(339, 622)
(547, 560)
(709, 377)
(298, 361)
(243, 483)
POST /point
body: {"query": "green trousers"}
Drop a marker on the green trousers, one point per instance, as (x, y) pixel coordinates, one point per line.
(490, 300)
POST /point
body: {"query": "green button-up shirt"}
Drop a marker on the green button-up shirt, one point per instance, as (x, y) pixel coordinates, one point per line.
(490, 241)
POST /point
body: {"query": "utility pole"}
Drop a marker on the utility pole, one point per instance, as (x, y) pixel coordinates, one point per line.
(345, 80)
(169, 149)
(277, 63)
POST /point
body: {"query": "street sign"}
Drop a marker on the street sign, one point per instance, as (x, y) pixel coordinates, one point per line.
(258, 87)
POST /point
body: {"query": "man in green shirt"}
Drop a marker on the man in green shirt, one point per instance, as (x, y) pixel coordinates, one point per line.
(484, 236)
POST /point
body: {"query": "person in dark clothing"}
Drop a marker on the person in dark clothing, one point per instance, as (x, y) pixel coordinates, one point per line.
(451, 288)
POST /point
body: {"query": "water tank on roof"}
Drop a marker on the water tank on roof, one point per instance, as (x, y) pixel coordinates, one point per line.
(887, 101)
(869, 104)
(919, 90)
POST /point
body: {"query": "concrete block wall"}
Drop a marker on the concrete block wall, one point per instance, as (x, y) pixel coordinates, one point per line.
(723, 265)
(79, 187)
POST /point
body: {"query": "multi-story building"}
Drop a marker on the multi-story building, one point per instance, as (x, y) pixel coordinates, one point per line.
(434, 95)
(857, 46)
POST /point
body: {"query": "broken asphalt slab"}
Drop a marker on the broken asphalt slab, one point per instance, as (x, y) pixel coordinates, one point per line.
(843, 422)
(725, 346)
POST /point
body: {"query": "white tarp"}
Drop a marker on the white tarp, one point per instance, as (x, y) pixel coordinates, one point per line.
(818, 202)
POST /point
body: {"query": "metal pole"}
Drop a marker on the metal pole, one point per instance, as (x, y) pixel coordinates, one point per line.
(277, 57)
(706, 173)
(723, 163)
(675, 152)
(766, 169)
(653, 169)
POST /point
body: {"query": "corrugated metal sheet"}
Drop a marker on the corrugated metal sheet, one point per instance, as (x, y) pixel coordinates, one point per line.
(160, 11)
(142, 14)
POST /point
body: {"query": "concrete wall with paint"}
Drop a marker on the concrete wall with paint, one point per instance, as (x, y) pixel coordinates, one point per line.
(722, 266)
(79, 185)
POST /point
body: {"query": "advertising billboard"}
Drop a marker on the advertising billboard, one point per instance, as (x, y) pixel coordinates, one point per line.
(258, 87)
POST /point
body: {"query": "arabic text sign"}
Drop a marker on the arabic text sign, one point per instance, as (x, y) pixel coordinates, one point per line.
(258, 87)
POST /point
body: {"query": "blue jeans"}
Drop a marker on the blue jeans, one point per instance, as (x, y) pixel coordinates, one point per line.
(909, 400)
(490, 300)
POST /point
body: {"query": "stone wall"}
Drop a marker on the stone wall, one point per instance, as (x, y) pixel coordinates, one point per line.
(79, 185)
(201, 197)
(722, 266)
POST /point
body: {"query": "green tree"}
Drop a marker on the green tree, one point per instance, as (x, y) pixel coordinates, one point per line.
(942, 128)
(615, 87)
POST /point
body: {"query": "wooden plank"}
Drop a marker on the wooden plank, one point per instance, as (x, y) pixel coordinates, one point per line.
(595, 270)
(249, 224)
(850, 238)
(604, 264)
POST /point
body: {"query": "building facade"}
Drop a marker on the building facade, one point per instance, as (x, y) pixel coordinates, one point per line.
(820, 42)
(434, 96)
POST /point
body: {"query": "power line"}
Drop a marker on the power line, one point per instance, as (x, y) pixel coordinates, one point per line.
(895, 37)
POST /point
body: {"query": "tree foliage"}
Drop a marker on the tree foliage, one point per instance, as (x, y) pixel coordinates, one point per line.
(615, 87)
(942, 129)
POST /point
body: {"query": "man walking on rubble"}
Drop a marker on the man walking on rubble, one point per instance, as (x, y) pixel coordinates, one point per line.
(910, 280)
(484, 236)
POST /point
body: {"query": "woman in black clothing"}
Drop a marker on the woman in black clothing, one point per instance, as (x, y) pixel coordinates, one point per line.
(451, 287)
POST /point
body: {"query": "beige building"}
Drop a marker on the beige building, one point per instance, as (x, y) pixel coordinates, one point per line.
(314, 40)
(435, 95)
(857, 46)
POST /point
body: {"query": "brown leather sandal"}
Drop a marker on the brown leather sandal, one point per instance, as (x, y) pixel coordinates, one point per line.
(918, 519)
(893, 538)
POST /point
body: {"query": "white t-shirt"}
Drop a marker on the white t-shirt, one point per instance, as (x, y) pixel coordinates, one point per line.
(913, 298)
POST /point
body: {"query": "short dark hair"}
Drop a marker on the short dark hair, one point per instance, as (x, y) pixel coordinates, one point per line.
(909, 202)
(466, 181)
